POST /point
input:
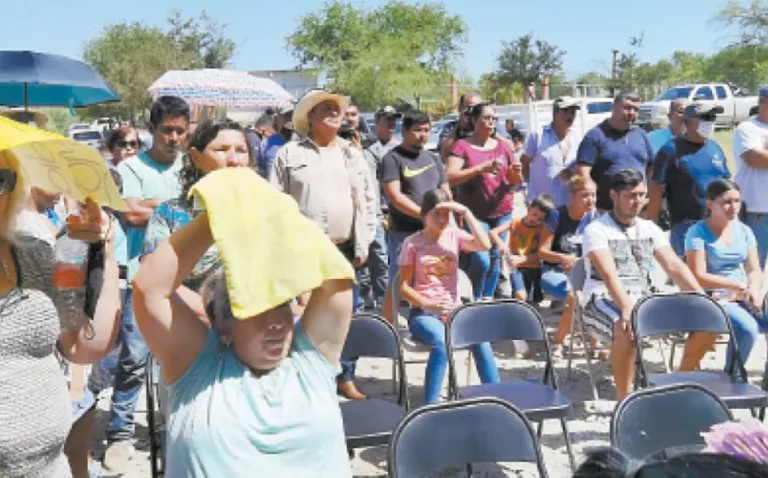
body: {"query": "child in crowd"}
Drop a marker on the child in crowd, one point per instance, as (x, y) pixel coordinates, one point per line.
(429, 273)
(521, 251)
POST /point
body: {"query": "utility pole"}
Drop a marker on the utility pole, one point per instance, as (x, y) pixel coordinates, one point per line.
(613, 72)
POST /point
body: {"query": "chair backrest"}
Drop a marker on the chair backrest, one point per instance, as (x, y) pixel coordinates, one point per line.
(665, 419)
(578, 275)
(660, 314)
(371, 336)
(440, 436)
(480, 322)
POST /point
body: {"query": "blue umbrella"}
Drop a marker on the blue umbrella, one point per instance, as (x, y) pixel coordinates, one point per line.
(28, 78)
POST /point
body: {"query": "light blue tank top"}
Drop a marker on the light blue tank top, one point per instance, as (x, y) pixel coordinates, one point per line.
(227, 422)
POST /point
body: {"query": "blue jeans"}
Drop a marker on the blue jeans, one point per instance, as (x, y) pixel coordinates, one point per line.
(554, 283)
(484, 266)
(377, 266)
(758, 222)
(395, 241)
(130, 373)
(529, 281)
(746, 329)
(428, 329)
(677, 236)
(348, 366)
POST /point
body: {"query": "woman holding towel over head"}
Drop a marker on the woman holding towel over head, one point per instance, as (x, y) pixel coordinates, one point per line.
(255, 394)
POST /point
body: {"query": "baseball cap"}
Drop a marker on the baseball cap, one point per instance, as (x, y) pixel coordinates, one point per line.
(565, 102)
(697, 110)
(387, 111)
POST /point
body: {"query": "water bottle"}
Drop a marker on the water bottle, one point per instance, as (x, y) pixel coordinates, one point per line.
(70, 273)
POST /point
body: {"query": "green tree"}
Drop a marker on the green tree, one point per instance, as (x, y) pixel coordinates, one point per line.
(501, 94)
(394, 53)
(750, 19)
(742, 65)
(528, 60)
(131, 56)
(202, 39)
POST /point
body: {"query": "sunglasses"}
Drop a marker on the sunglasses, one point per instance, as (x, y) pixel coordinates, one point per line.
(127, 144)
(7, 180)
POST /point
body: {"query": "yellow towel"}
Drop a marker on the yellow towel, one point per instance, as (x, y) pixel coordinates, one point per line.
(271, 253)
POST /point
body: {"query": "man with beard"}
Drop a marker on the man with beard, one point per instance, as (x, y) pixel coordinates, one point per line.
(149, 179)
(549, 151)
(407, 173)
(270, 146)
(614, 145)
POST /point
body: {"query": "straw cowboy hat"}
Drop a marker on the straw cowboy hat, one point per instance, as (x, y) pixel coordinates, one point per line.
(26, 116)
(310, 100)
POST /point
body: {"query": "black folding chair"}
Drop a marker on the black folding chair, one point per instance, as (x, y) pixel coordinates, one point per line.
(662, 314)
(479, 430)
(371, 422)
(155, 419)
(511, 319)
(665, 421)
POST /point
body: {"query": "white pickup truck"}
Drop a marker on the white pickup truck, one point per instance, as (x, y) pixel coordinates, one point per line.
(736, 106)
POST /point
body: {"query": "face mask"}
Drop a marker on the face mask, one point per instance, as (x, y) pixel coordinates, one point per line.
(706, 128)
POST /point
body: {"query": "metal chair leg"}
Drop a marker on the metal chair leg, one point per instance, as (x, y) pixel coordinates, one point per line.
(539, 430)
(568, 447)
(572, 337)
(671, 355)
(588, 353)
(394, 377)
(151, 423)
(660, 345)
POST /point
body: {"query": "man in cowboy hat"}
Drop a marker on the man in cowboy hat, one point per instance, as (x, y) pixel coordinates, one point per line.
(331, 183)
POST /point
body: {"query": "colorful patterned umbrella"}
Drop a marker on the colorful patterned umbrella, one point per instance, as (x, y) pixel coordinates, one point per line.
(221, 88)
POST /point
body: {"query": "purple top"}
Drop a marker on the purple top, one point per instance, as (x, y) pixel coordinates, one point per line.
(486, 195)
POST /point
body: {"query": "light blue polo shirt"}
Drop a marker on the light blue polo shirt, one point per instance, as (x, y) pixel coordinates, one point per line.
(549, 157)
(144, 178)
(659, 138)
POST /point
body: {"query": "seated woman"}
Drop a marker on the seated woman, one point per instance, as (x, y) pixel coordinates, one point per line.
(721, 251)
(250, 393)
(559, 248)
(429, 274)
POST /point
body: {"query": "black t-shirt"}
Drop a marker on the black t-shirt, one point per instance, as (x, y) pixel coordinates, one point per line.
(563, 229)
(417, 173)
(686, 169)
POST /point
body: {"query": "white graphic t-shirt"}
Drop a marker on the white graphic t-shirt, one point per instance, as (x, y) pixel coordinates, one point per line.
(632, 249)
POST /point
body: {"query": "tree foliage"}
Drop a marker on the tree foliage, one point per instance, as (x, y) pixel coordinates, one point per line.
(528, 60)
(131, 56)
(202, 39)
(751, 20)
(392, 53)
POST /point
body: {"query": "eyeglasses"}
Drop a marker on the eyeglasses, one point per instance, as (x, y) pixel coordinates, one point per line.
(7, 180)
(128, 144)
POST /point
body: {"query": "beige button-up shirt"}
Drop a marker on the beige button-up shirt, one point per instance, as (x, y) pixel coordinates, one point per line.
(325, 182)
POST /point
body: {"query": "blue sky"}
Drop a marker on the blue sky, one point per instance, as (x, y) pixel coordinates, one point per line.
(586, 29)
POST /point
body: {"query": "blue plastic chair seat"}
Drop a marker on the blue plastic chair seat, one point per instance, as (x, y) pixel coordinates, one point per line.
(370, 422)
(536, 400)
(735, 394)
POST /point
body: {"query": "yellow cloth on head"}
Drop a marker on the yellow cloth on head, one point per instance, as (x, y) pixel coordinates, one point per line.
(271, 253)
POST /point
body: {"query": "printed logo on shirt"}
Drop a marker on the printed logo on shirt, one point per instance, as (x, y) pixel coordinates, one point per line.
(718, 161)
(412, 173)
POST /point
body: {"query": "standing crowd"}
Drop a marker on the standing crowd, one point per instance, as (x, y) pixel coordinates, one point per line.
(256, 387)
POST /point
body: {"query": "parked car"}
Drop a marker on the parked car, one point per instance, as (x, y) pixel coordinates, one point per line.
(736, 104)
(77, 127)
(534, 115)
(91, 137)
